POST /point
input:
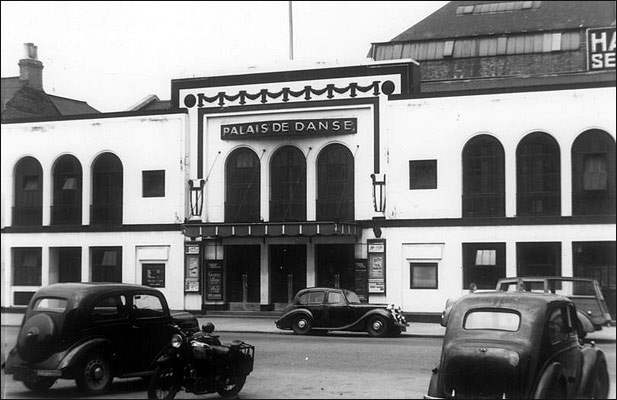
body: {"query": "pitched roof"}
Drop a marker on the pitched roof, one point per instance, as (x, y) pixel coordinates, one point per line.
(556, 15)
(71, 106)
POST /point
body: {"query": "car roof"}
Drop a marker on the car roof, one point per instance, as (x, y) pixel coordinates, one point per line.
(80, 290)
(544, 278)
(512, 300)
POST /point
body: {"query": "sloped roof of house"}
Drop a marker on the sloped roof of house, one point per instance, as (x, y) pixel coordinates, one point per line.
(470, 18)
(71, 107)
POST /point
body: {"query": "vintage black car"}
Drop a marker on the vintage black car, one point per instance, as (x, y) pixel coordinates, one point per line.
(322, 309)
(586, 294)
(92, 332)
(516, 345)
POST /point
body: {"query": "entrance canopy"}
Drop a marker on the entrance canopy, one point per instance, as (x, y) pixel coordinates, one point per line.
(273, 229)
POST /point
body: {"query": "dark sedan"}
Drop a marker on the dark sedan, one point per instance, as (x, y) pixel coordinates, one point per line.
(332, 309)
(92, 332)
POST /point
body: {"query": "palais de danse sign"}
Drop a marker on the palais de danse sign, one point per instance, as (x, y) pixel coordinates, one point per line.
(286, 128)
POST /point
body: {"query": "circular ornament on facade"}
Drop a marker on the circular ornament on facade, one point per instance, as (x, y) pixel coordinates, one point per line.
(190, 101)
(388, 87)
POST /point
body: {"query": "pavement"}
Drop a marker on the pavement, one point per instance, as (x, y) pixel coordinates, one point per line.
(264, 323)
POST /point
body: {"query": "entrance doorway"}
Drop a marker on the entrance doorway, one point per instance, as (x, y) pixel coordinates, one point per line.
(335, 265)
(287, 271)
(242, 264)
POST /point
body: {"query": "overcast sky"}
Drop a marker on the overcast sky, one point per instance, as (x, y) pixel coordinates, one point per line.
(113, 54)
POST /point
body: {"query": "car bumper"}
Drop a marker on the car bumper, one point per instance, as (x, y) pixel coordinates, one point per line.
(22, 370)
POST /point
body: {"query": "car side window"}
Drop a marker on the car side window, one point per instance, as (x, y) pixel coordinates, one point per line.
(147, 306)
(558, 329)
(303, 299)
(335, 298)
(316, 297)
(109, 307)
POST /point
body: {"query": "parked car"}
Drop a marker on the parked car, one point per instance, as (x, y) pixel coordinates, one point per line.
(516, 345)
(586, 294)
(92, 332)
(331, 309)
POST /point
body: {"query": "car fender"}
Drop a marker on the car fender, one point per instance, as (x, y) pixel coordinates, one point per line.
(592, 357)
(585, 321)
(74, 355)
(552, 373)
(285, 321)
(433, 386)
(361, 322)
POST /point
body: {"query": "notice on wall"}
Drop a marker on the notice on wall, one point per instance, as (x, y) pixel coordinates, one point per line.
(376, 266)
(214, 281)
(601, 49)
(153, 275)
(191, 273)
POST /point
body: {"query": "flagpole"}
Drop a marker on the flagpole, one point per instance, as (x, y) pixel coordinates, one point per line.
(291, 33)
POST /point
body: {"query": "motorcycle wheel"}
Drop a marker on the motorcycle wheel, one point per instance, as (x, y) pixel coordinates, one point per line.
(231, 386)
(164, 384)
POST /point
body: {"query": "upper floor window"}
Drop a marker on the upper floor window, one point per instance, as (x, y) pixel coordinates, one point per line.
(67, 200)
(153, 183)
(335, 184)
(107, 190)
(483, 178)
(538, 175)
(242, 196)
(423, 174)
(593, 173)
(28, 207)
(288, 185)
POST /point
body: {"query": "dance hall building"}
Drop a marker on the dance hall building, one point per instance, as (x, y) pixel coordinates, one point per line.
(478, 144)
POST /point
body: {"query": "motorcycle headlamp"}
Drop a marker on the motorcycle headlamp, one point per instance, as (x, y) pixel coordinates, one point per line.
(176, 340)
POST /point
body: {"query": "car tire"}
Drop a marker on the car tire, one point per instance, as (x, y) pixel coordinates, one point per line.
(551, 384)
(377, 326)
(95, 375)
(40, 385)
(302, 324)
(601, 380)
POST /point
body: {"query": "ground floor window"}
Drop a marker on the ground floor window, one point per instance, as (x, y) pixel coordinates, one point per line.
(483, 264)
(538, 259)
(27, 266)
(423, 275)
(106, 264)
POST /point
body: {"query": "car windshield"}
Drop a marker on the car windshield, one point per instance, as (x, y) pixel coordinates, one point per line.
(352, 297)
(501, 320)
(50, 304)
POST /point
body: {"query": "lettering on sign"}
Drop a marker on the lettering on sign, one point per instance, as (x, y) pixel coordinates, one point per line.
(601, 49)
(286, 128)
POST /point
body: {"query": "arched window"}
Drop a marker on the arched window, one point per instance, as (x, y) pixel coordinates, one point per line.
(67, 177)
(28, 206)
(483, 178)
(107, 190)
(538, 176)
(243, 184)
(288, 185)
(593, 173)
(335, 184)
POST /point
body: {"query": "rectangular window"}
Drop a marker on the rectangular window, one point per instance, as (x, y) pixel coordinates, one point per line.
(27, 266)
(423, 275)
(153, 183)
(483, 264)
(423, 174)
(106, 264)
(448, 48)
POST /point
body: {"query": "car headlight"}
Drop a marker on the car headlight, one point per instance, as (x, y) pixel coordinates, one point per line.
(176, 340)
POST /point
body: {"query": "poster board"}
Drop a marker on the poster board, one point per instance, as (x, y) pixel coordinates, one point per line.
(376, 266)
(214, 281)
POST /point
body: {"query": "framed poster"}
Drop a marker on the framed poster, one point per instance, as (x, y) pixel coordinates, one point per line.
(153, 275)
(376, 266)
(214, 281)
(191, 267)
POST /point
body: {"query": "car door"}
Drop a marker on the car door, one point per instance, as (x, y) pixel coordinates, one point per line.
(150, 329)
(337, 313)
(316, 307)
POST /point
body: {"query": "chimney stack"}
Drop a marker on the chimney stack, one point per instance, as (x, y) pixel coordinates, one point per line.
(30, 68)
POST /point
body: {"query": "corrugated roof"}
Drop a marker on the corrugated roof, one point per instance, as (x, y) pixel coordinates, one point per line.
(550, 15)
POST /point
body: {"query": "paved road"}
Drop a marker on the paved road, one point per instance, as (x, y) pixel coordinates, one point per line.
(331, 366)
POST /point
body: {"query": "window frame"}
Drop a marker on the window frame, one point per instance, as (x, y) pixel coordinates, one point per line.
(153, 183)
(416, 264)
(427, 168)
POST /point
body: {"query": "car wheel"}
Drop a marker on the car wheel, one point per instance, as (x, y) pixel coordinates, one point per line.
(164, 383)
(600, 384)
(552, 384)
(377, 326)
(95, 375)
(302, 324)
(40, 385)
(231, 386)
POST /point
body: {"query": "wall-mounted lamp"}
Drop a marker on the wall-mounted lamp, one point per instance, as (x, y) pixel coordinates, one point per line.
(196, 187)
(379, 192)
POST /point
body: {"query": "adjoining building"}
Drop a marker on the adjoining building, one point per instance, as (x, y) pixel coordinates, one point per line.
(404, 180)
